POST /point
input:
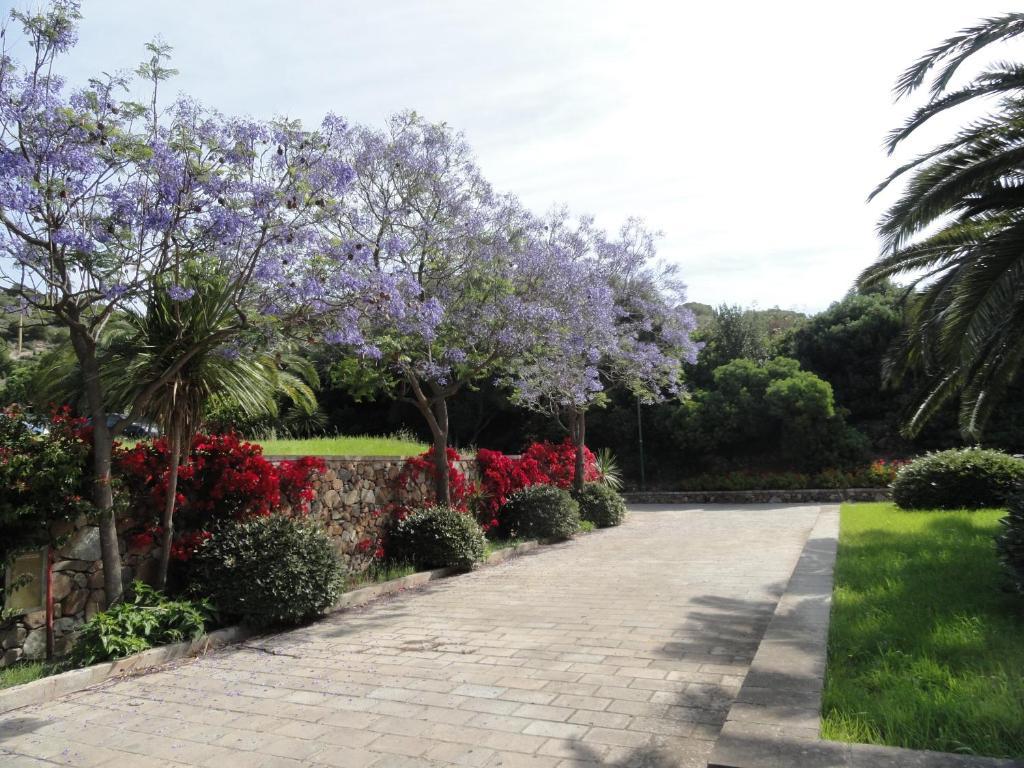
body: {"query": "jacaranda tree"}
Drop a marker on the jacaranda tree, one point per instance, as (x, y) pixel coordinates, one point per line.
(459, 306)
(104, 199)
(617, 318)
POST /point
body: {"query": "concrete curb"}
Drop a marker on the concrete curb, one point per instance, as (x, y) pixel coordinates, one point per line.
(49, 688)
(776, 717)
(365, 595)
(55, 686)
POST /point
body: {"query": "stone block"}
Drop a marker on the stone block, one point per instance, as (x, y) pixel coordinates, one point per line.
(13, 637)
(34, 619)
(92, 607)
(84, 545)
(35, 644)
(75, 602)
(62, 585)
(11, 656)
(67, 625)
(72, 565)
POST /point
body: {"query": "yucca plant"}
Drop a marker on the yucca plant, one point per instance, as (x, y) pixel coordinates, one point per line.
(958, 231)
(608, 466)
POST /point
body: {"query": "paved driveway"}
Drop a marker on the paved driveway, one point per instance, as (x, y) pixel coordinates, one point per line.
(621, 648)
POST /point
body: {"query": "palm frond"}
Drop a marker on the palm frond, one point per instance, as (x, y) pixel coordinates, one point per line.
(956, 50)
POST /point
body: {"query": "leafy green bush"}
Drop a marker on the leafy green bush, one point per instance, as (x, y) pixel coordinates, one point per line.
(601, 505)
(437, 537)
(969, 478)
(149, 620)
(1010, 543)
(267, 570)
(540, 512)
(763, 414)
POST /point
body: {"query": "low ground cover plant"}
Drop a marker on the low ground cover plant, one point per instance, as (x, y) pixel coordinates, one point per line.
(541, 512)
(437, 537)
(600, 505)
(273, 570)
(148, 619)
(965, 478)
(924, 642)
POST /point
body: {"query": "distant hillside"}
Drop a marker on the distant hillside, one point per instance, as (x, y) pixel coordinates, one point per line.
(776, 320)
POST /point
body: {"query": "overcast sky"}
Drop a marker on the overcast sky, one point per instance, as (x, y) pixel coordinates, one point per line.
(748, 132)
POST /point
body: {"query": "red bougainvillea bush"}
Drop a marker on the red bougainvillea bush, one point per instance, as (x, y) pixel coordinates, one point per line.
(418, 468)
(540, 464)
(222, 478)
(557, 461)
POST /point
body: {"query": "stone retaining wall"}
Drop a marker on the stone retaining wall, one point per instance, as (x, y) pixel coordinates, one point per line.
(809, 496)
(77, 582)
(354, 493)
(351, 497)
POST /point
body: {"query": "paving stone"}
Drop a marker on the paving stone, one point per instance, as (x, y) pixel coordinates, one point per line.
(621, 648)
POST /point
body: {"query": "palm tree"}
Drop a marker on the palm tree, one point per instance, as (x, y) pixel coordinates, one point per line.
(958, 232)
(196, 322)
(198, 326)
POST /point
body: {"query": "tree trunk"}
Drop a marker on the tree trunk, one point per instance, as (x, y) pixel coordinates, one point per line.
(172, 494)
(442, 480)
(578, 430)
(103, 447)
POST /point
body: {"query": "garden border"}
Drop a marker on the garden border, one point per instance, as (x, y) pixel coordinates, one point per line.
(775, 720)
(766, 496)
(55, 686)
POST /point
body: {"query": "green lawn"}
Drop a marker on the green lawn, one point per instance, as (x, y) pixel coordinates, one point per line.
(925, 649)
(342, 446)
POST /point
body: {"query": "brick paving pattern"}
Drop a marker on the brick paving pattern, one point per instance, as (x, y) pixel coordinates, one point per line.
(621, 648)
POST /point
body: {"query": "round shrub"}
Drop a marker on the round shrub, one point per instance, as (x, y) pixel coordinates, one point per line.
(1010, 543)
(541, 512)
(437, 537)
(267, 570)
(969, 478)
(600, 505)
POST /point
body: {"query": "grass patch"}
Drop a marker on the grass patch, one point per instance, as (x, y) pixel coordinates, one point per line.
(343, 446)
(496, 545)
(378, 574)
(926, 649)
(27, 671)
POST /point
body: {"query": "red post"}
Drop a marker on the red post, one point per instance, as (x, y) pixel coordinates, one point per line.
(49, 603)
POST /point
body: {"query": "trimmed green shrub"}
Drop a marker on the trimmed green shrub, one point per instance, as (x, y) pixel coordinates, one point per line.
(149, 620)
(1010, 543)
(267, 570)
(601, 505)
(968, 478)
(541, 512)
(437, 537)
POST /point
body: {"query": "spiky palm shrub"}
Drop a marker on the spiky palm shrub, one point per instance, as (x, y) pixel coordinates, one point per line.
(181, 349)
(958, 231)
